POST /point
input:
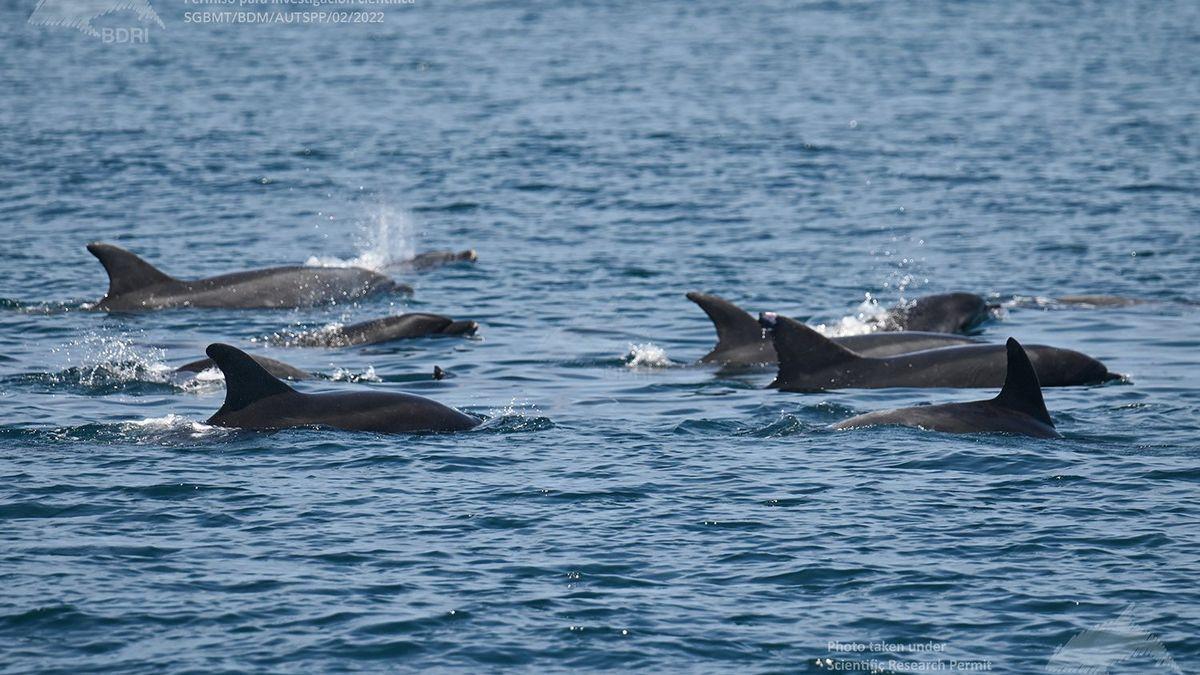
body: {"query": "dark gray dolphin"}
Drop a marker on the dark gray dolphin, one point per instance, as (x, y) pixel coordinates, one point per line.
(431, 259)
(135, 284)
(388, 328)
(255, 399)
(283, 371)
(1017, 409)
(942, 313)
(809, 361)
(741, 341)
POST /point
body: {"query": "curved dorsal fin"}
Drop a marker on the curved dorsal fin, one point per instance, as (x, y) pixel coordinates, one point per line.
(245, 380)
(803, 350)
(735, 326)
(126, 271)
(1022, 391)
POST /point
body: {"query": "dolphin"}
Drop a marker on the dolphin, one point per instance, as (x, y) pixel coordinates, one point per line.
(283, 371)
(809, 361)
(388, 328)
(431, 259)
(255, 399)
(741, 341)
(135, 284)
(1017, 409)
(942, 313)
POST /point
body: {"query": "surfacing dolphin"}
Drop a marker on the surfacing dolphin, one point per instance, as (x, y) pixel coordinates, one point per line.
(941, 313)
(401, 327)
(255, 399)
(431, 259)
(134, 284)
(809, 361)
(741, 341)
(1017, 409)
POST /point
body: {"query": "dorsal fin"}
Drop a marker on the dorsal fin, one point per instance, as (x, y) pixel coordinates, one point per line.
(126, 271)
(803, 350)
(1022, 391)
(735, 326)
(245, 380)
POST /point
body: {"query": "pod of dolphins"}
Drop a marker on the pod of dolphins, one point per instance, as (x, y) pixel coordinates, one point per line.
(922, 344)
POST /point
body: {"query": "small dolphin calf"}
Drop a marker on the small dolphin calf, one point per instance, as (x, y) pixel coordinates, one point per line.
(1017, 409)
(942, 313)
(283, 371)
(255, 399)
(134, 284)
(401, 327)
(809, 361)
(741, 341)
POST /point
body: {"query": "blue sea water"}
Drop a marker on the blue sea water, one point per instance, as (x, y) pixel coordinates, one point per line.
(619, 509)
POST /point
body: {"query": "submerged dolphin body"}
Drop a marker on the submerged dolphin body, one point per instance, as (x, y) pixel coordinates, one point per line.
(283, 371)
(400, 327)
(809, 361)
(255, 399)
(1017, 409)
(741, 341)
(134, 284)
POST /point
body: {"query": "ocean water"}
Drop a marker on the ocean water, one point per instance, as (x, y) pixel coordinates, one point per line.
(620, 509)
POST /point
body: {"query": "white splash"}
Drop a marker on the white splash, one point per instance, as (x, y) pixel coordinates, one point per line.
(867, 318)
(386, 237)
(172, 423)
(207, 380)
(344, 375)
(100, 360)
(514, 409)
(647, 355)
(303, 338)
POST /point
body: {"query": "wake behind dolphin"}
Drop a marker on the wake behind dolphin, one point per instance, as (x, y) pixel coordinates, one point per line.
(134, 284)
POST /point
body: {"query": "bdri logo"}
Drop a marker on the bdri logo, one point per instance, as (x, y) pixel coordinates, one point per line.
(1095, 650)
(80, 14)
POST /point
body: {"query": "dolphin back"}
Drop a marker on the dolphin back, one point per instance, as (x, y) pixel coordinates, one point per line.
(126, 271)
(1022, 391)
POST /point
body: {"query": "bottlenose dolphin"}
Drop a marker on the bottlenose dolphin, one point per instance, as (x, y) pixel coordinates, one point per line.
(942, 313)
(135, 284)
(255, 399)
(741, 341)
(1017, 409)
(432, 259)
(388, 328)
(279, 369)
(809, 361)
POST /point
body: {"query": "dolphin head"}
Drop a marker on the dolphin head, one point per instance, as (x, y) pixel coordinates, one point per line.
(946, 313)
